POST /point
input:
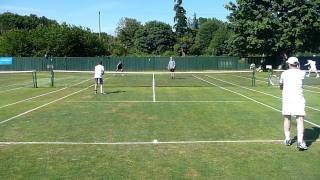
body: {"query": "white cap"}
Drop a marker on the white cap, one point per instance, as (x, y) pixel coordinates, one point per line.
(293, 60)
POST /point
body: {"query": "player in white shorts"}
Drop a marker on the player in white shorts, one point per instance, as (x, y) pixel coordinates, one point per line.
(312, 67)
(293, 102)
(98, 73)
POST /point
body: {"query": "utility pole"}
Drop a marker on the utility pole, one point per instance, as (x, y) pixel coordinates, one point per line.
(99, 27)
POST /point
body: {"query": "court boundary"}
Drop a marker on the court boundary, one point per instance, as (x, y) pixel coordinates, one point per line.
(267, 94)
(154, 142)
(250, 99)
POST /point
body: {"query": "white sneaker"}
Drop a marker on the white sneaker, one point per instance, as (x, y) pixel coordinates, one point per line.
(302, 146)
(287, 142)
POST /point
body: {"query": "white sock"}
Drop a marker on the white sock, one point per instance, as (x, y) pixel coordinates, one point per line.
(101, 91)
(300, 137)
(287, 134)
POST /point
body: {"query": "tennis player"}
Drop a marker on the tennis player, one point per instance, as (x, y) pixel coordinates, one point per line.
(98, 73)
(119, 66)
(312, 67)
(172, 67)
(293, 102)
(252, 66)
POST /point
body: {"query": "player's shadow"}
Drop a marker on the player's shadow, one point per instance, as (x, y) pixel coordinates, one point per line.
(311, 135)
(115, 92)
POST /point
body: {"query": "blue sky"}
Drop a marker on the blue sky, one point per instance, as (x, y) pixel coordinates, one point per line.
(85, 12)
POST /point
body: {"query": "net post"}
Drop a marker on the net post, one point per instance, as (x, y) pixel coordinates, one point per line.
(52, 78)
(253, 78)
(34, 79)
(269, 76)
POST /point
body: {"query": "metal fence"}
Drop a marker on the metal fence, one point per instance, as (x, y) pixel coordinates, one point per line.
(130, 63)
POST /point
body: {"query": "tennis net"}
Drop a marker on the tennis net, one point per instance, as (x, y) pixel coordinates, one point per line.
(17, 79)
(159, 79)
(273, 78)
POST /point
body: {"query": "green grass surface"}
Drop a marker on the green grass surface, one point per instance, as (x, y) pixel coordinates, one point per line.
(222, 109)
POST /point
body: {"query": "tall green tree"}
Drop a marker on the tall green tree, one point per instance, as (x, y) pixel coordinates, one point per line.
(180, 19)
(126, 31)
(205, 34)
(275, 27)
(155, 38)
(10, 21)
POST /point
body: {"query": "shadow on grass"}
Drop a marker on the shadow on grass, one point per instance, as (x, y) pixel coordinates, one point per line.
(311, 135)
(115, 92)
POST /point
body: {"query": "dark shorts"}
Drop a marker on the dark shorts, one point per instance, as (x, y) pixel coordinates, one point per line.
(172, 70)
(98, 80)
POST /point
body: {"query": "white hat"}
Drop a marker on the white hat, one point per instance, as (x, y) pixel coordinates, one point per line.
(293, 60)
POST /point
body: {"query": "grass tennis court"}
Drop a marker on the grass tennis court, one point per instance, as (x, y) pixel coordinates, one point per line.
(196, 126)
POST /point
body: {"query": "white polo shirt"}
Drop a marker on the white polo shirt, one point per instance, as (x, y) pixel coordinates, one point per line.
(98, 71)
(171, 64)
(312, 65)
(293, 102)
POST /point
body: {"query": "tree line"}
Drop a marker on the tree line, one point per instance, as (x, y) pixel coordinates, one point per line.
(254, 28)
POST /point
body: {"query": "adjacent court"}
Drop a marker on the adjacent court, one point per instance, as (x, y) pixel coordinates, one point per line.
(200, 124)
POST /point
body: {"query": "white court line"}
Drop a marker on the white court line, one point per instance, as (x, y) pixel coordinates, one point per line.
(315, 109)
(317, 92)
(13, 89)
(250, 99)
(153, 88)
(44, 105)
(41, 95)
(277, 85)
(312, 87)
(270, 141)
(155, 101)
(18, 84)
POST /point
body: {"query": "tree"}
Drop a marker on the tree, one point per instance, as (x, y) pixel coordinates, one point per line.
(10, 21)
(154, 38)
(180, 19)
(219, 42)
(126, 31)
(194, 23)
(16, 43)
(206, 32)
(275, 27)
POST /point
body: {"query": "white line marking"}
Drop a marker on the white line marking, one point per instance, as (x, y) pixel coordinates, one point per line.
(312, 87)
(153, 88)
(13, 89)
(149, 142)
(20, 84)
(156, 101)
(256, 91)
(156, 72)
(250, 99)
(277, 85)
(42, 95)
(317, 92)
(44, 105)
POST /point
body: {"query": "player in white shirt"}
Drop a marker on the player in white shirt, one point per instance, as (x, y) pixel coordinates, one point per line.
(312, 67)
(252, 66)
(172, 67)
(293, 102)
(98, 73)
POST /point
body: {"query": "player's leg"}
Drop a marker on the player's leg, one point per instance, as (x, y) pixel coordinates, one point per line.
(300, 131)
(96, 85)
(286, 129)
(316, 71)
(308, 75)
(101, 86)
